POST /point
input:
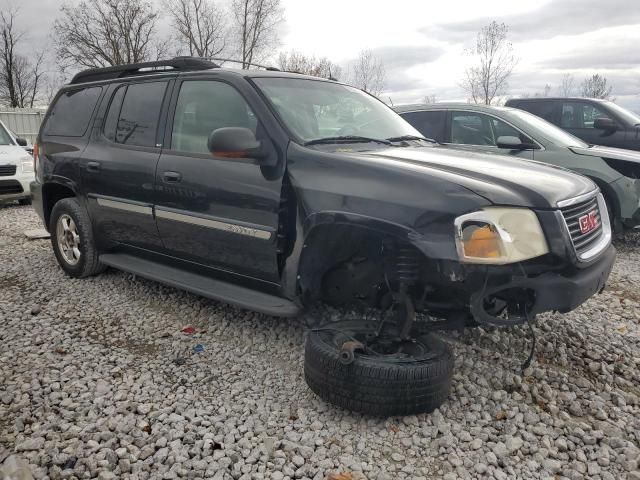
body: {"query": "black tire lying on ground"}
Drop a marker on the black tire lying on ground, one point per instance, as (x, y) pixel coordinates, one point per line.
(377, 383)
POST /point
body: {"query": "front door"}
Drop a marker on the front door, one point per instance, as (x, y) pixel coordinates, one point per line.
(217, 212)
(479, 132)
(119, 165)
(578, 118)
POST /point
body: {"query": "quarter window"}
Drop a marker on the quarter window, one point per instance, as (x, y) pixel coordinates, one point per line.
(133, 115)
(71, 113)
(204, 106)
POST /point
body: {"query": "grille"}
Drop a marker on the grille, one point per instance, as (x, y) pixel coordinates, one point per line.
(7, 170)
(572, 214)
(10, 186)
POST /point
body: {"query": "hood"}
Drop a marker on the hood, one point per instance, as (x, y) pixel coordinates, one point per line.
(500, 179)
(13, 154)
(608, 152)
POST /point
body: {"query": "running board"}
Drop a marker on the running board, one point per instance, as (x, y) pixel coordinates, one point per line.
(202, 285)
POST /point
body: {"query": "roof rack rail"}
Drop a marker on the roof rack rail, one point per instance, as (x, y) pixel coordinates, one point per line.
(217, 59)
(182, 64)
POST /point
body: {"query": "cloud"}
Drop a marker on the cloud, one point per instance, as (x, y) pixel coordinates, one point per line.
(561, 17)
(406, 56)
(613, 55)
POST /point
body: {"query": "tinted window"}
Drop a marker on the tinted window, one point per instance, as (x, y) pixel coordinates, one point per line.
(111, 121)
(580, 115)
(431, 124)
(541, 109)
(468, 128)
(138, 120)
(204, 106)
(71, 113)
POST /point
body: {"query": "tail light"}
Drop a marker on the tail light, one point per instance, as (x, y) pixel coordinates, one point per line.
(36, 152)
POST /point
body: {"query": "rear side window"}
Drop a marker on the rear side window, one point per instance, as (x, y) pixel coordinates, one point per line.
(429, 124)
(133, 114)
(541, 109)
(70, 115)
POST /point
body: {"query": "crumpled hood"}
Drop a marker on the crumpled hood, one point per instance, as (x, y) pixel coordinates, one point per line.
(500, 179)
(13, 154)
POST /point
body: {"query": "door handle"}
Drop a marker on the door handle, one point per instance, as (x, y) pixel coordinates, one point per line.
(93, 166)
(172, 177)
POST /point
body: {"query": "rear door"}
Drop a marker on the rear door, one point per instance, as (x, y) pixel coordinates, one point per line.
(218, 212)
(119, 164)
(430, 123)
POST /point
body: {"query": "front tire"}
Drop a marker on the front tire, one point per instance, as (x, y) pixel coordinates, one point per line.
(25, 201)
(72, 239)
(376, 381)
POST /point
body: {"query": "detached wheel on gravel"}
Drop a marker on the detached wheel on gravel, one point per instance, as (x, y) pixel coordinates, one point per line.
(72, 239)
(388, 377)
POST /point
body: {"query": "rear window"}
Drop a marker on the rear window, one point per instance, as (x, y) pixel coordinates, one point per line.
(133, 115)
(70, 115)
(429, 123)
(543, 109)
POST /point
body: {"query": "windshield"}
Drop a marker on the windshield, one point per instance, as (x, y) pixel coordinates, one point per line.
(5, 138)
(552, 133)
(625, 114)
(313, 110)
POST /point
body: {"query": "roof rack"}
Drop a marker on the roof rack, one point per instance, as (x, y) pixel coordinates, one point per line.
(217, 59)
(182, 64)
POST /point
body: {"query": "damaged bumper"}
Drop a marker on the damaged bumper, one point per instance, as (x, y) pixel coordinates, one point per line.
(550, 291)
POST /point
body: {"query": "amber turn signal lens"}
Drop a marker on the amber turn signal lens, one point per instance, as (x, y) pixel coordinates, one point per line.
(483, 242)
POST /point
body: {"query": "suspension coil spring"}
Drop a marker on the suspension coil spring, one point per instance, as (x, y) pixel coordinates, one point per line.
(406, 261)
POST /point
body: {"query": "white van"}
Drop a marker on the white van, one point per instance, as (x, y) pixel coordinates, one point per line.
(16, 168)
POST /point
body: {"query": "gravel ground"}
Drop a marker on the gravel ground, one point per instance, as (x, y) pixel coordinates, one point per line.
(97, 380)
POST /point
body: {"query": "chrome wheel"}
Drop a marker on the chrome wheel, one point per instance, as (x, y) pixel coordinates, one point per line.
(68, 239)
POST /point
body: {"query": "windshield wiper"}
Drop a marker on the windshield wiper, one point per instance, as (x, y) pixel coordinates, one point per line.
(347, 139)
(410, 137)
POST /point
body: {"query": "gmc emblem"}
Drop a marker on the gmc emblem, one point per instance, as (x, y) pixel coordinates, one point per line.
(588, 222)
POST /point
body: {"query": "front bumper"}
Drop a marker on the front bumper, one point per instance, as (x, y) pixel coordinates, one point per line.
(549, 291)
(15, 187)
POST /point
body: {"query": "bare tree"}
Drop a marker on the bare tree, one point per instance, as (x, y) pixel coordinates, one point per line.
(429, 99)
(21, 77)
(107, 32)
(294, 61)
(545, 92)
(567, 87)
(596, 87)
(496, 61)
(199, 25)
(255, 31)
(368, 73)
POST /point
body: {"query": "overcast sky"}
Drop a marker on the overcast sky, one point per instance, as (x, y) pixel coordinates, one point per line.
(422, 42)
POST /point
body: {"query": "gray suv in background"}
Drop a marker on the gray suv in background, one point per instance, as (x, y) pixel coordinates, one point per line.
(509, 131)
(597, 122)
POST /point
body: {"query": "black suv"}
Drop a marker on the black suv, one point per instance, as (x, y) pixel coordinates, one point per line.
(597, 122)
(273, 190)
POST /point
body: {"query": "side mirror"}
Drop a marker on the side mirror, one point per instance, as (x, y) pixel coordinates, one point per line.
(603, 123)
(21, 141)
(510, 143)
(234, 142)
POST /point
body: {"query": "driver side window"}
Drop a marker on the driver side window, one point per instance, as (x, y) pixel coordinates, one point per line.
(204, 106)
(469, 128)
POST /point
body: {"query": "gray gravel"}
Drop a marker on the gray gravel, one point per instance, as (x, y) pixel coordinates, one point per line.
(98, 381)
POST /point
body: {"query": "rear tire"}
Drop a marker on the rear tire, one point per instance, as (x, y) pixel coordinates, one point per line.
(378, 385)
(72, 239)
(25, 201)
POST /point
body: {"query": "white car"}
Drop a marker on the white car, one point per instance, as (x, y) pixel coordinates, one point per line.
(16, 168)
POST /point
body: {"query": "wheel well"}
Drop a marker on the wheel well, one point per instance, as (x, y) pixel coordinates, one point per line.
(52, 193)
(328, 246)
(608, 195)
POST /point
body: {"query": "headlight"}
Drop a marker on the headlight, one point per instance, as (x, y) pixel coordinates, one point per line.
(499, 236)
(27, 165)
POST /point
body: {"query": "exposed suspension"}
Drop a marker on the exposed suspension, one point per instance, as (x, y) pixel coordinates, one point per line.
(403, 261)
